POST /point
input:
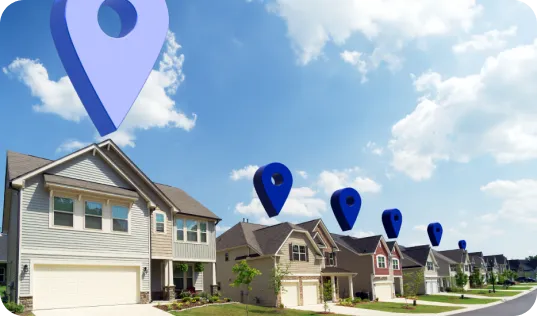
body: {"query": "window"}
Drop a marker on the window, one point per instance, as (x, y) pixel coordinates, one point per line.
(120, 219)
(2, 274)
(190, 277)
(395, 264)
(227, 256)
(178, 279)
(430, 266)
(203, 232)
(93, 215)
(453, 268)
(331, 259)
(63, 211)
(381, 261)
(159, 222)
(299, 253)
(192, 230)
(179, 224)
(466, 267)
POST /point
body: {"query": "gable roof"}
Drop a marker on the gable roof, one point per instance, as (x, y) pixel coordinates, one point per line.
(408, 262)
(476, 258)
(419, 254)
(367, 245)
(311, 225)
(443, 258)
(500, 259)
(265, 240)
(394, 244)
(456, 255)
(21, 166)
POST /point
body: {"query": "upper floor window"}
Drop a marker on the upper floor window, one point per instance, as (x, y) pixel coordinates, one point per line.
(331, 258)
(195, 231)
(160, 220)
(63, 211)
(430, 266)
(381, 262)
(299, 253)
(120, 219)
(93, 215)
(453, 268)
(395, 264)
(227, 256)
(466, 267)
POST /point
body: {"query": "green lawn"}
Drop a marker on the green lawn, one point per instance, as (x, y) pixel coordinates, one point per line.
(512, 287)
(239, 309)
(456, 299)
(398, 308)
(497, 294)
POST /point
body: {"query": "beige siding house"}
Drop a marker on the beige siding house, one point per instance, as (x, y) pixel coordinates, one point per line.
(421, 259)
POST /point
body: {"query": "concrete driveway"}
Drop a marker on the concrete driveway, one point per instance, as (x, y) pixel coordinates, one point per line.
(120, 310)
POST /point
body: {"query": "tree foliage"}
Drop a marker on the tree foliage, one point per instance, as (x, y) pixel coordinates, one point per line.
(476, 278)
(461, 279)
(413, 282)
(278, 274)
(244, 276)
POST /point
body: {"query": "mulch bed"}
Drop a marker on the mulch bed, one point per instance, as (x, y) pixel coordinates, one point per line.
(188, 306)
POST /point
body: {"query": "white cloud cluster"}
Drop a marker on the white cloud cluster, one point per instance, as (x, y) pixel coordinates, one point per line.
(244, 173)
(330, 181)
(458, 118)
(490, 40)
(313, 24)
(367, 63)
(374, 148)
(518, 201)
(154, 107)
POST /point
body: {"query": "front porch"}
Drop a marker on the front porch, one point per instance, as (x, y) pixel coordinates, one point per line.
(336, 276)
(169, 278)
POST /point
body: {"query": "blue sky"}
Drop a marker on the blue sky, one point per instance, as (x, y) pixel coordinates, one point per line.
(426, 107)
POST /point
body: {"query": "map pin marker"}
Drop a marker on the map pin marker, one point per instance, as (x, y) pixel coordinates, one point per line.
(108, 73)
(435, 233)
(392, 220)
(462, 244)
(346, 204)
(273, 184)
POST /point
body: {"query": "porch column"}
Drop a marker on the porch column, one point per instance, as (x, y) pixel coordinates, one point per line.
(214, 285)
(170, 272)
(166, 273)
(214, 273)
(333, 281)
(351, 290)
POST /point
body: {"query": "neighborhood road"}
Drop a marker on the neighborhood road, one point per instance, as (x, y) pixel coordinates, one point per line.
(514, 307)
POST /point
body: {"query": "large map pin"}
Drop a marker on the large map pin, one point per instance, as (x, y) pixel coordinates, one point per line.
(108, 73)
(273, 184)
(462, 244)
(392, 220)
(435, 230)
(346, 204)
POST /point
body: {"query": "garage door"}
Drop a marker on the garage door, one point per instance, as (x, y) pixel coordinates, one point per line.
(309, 292)
(431, 286)
(383, 291)
(290, 294)
(61, 286)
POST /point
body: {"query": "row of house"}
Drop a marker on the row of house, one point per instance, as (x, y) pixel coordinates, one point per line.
(524, 268)
(370, 267)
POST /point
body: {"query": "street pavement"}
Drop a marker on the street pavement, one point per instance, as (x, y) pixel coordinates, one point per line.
(515, 307)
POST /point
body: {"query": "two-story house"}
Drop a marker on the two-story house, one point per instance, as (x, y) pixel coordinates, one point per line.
(498, 263)
(396, 266)
(420, 259)
(462, 260)
(446, 274)
(306, 251)
(477, 262)
(374, 263)
(81, 230)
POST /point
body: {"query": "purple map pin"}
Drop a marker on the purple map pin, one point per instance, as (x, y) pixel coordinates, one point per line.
(108, 73)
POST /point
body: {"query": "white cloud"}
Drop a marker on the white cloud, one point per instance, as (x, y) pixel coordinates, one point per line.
(374, 148)
(244, 173)
(303, 174)
(420, 228)
(367, 63)
(490, 40)
(301, 202)
(265, 220)
(154, 108)
(330, 181)
(464, 224)
(518, 200)
(362, 234)
(456, 119)
(71, 146)
(313, 24)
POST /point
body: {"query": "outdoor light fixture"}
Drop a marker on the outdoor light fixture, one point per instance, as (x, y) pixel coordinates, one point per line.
(145, 269)
(25, 269)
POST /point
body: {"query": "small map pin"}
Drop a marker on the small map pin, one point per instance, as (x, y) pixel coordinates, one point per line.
(392, 221)
(435, 233)
(273, 184)
(462, 244)
(108, 73)
(346, 204)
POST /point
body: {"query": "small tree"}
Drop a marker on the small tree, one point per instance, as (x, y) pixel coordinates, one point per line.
(461, 279)
(476, 279)
(327, 294)
(412, 284)
(244, 276)
(278, 274)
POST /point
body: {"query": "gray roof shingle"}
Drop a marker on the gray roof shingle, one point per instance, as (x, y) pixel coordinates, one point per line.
(54, 179)
(419, 254)
(500, 259)
(19, 164)
(457, 255)
(365, 245)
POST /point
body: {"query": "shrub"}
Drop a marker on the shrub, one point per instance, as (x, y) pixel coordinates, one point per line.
(376, 299)
(227, 299)
(448, 289)
(170, 307)
(199, 267)
(365, 300)
(195, 299)
(183, 267)
(213, 299)
(184, 294)
(14, 307)
(204, 295)
(187, 299)
(281, 306)
(357, 300)
(178, 305)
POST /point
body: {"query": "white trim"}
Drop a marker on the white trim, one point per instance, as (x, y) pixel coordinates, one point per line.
(54, 186)
(161, 258)
(290, 281)
(304, 274)
(309, 237)
(30, 251)
(385, 262)
(193, 260)
(155, 221)
(185, 230)
(111, 205)
(19, 229)
(309, 280)
(398, 264)
(327, 233)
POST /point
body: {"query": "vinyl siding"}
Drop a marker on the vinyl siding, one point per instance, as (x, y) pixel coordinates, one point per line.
(313, 266)
(161, 243)
(198, 281)
(193, 251)
(382, 251)
(433, 273)
(324, 238)
(13, 240)
(363, 265)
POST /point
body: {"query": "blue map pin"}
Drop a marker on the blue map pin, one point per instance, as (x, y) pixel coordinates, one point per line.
(392, 221)
(462, 244)
(273, 184)
(346, 204)
(108, 73)
(435, 233)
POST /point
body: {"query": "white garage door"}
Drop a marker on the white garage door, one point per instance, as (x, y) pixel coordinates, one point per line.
(61, 286)
(290, 294)
(309, 293)
(431, 286)
(383, 291)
